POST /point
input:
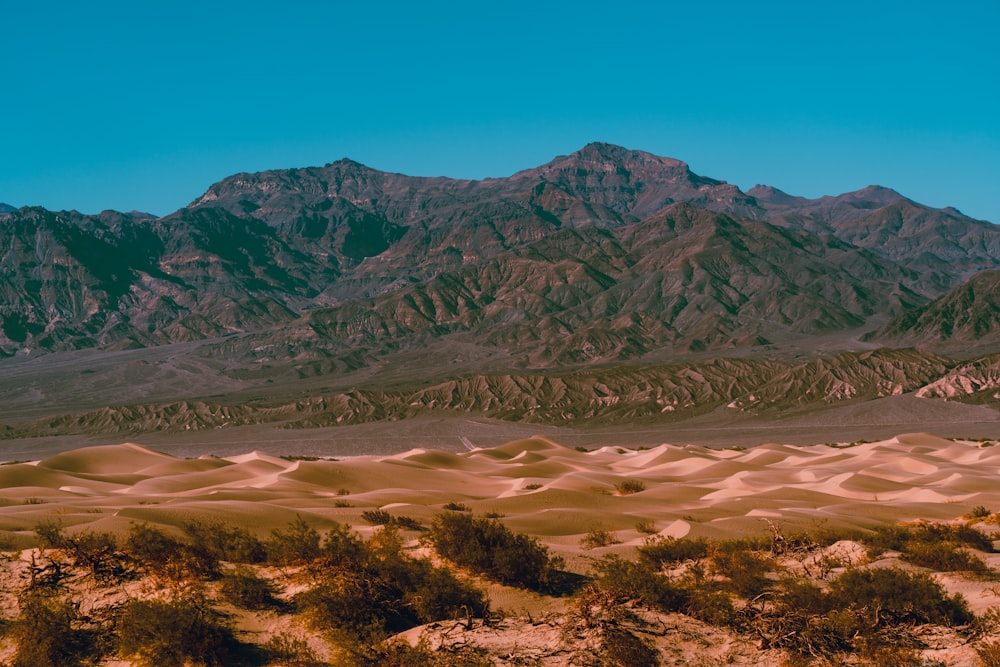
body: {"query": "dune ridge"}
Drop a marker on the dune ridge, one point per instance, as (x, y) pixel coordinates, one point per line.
(539, 486)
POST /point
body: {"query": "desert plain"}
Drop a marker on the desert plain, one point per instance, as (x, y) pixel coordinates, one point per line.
(562, 496)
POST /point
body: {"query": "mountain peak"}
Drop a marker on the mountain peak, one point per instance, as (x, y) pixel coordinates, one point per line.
(772, 195)
(6, 208)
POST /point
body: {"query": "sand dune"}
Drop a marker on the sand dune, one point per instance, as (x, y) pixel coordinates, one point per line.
(539, 486)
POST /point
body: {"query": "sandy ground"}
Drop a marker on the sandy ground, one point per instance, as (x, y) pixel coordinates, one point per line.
(545, 489)
(541, 487)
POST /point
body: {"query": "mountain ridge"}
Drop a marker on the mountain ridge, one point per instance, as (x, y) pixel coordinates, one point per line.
(603, 258)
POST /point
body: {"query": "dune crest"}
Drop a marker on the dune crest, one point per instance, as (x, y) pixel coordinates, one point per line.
(539, 486)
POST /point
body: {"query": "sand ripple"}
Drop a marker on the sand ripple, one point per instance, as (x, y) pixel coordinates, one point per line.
(538, 485)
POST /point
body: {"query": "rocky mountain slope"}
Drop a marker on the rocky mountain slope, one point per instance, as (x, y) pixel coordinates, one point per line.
(604, 257)
(595, 240)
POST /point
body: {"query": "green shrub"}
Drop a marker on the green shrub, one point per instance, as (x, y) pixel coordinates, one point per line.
(291, 652)
(598, 537)
(176, 634)
(980, 512)
(226, 542)
(45, 636)
(711, 606)
(98, 552)
(989, 653)
(645, 526)
(488, 547)
(376, 517)
(746, 571)
(297, 545)
(457, 507)
(163, 555)
(245, 589)
(943, 557)
(623, 649)
(349, 604)
(629, 486)
(660, 551)
(901, 597)
(629, 580)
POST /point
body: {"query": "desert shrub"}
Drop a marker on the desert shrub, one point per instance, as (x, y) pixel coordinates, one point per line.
(901, 597)
(904, 538)
(436, 594)
(245, 589)
(748, 543)
(797, 595)
(163, 555)
(980, 512)
(661, 551)
(630, 580)
(623, 649)
(598, 537)
(629, 486)
(955, 533)
(488, 547)
(175, 634)
(408, 523)
(711, 606)
(877, 652)
(226, 542)
(45, 636)
(944, 557)
(297, 545)
(645, 526)
(96, 551)
(989, 653)
(886, 538)
(342, 547)
(379, 590)
(532, 487)
(376, 517)
(291, 652)
(399, 653)
(746, 571)
(349, 604)
(457, 507)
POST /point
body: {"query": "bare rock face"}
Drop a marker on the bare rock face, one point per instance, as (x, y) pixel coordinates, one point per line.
(970, 313)
(603, 255)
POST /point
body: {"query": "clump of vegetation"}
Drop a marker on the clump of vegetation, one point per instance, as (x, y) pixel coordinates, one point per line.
(598, 537)
(979, 512)
(291, 652)
(376, 517)
(668, 551)
(457, 507)
(157, 633)
(371, 590)
(627, 580)
(98, 552)
(168, 557)
(621, 647)
(645, 526)
(245, 589)
(297, 545)
(934, 545)
(226, 542)
(489, 548)
(45, 634)
(629, 486)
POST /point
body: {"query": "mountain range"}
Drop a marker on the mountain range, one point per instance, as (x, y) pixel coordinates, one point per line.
(604, 259)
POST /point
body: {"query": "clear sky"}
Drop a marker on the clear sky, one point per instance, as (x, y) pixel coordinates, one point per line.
(142, 105)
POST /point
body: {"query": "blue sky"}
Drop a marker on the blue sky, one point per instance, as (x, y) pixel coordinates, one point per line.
(142, 105)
